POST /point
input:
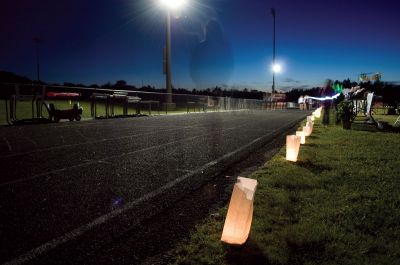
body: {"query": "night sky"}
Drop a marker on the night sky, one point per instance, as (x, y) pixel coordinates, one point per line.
(214, 42)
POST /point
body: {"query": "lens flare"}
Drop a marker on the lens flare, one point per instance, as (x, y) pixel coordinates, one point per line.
(277, 68)
(173, 4)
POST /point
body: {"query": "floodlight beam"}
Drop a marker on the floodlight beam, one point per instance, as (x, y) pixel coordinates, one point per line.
(276, 68)
(173, 4)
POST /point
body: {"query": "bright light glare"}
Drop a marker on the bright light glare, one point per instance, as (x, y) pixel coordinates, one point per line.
(326, 98)
(276, 68)
(173, 4)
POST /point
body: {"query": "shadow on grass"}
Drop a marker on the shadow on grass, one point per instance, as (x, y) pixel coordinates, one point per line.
(362, 126)
(315, 169)
(248, 253)
(312, 145)
(299, 252)
(381, 127)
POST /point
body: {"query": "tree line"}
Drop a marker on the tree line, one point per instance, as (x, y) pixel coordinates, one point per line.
(7, 77)
(390, 92)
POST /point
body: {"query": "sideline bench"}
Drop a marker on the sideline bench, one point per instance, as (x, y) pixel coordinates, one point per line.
(200, 104)
(11, 108)
(111, 100)
(118, 96)
(149, 103)
(94, 98)
(132, 100)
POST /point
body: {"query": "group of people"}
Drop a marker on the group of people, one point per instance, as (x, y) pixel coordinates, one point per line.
(304, 102)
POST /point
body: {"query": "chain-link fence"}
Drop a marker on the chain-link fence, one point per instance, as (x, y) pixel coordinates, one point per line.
(46, 103)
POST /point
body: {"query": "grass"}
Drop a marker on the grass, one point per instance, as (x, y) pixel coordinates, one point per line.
(339, 204)
(391, 119)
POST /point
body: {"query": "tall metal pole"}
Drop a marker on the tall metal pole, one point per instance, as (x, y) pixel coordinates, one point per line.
(37, 41)
(273, 52)
(168, 78)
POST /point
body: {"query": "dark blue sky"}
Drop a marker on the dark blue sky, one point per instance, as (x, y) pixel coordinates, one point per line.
(214, 42)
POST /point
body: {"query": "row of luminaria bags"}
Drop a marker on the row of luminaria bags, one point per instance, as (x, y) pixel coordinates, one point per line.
(240, 211)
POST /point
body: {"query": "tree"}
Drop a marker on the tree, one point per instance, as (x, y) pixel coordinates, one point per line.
(120, 84)
(69, 84)
(8, 77)
(106, 85)
(347, 83)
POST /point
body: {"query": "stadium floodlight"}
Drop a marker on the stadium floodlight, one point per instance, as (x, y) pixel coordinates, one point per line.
(173, 4)
(276, 68)
(273, 12)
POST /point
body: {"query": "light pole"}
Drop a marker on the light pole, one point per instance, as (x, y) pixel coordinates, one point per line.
(273, 53)
(170, 5)
(167, 54)
(37, 41)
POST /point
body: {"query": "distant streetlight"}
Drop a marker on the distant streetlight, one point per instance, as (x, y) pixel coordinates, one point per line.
(273, 53)
(276, 68)
(171, 5)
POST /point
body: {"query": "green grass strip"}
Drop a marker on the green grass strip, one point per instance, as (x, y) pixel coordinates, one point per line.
(339, 204)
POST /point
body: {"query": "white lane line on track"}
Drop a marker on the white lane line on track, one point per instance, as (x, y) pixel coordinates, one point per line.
(107, 158)
(52, 244)
(198, 125)
(171, 128)
(184, 170)
(81, 135)
(8, 143)
(32, 141)
(85, 143)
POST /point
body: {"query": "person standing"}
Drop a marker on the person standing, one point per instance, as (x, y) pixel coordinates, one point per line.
(307, 102)
(327, 91)
(301, 102)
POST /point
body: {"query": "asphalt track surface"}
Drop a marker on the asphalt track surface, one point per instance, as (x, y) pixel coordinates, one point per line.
(73, 182)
